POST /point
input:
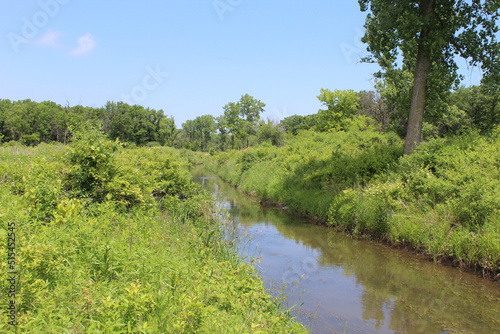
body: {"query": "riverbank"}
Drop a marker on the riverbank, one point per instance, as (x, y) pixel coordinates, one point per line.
(443, 201)
(337, 279)
(105, 239)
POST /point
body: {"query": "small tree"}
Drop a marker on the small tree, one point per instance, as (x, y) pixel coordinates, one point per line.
(222, 131)
(271, 132)
(167, 132)
(341, 107)
(373, 105)
(242, 117)
(92, 163)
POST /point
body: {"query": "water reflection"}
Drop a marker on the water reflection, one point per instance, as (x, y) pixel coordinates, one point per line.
(369, 286)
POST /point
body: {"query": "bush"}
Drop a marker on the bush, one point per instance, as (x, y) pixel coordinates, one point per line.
(446, 203)
(153, 144)
(444, 199)
(93, 174)
(94, 267)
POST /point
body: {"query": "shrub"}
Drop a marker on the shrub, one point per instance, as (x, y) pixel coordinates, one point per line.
(93, 174)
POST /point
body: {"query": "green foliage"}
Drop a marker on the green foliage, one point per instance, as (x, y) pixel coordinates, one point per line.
(270, 133)
(306, 174)
(480, 104)
(341, 106)
(135, 124)
(443, 200)
(242, 118)
(395, 87)
(92, 165)
(97, 268)
(42, 188)
(31, 122)
(199, 132)
(222, 136)
(293, 124)
(167, 131)
(427, 36)
(373, 105)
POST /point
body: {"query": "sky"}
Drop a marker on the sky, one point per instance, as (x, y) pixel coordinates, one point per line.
(186, 57)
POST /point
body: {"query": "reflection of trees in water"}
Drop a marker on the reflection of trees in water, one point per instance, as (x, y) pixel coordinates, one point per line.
(418, 297)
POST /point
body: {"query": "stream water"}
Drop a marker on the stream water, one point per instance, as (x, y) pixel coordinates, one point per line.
(335, 281)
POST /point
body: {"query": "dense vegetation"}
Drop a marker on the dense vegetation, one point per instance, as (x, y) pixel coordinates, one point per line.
(30, 122)
(121, 240)
(240, 125)
(443, 200)
(342, 166)
(114, 239)
(422, 40)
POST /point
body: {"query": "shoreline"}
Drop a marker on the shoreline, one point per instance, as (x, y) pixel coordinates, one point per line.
(474, 269)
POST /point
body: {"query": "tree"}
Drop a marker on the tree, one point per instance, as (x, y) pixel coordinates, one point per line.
(233, 121)
(167, 131)
(480, 103)
(373, 105)
(222, 131)
(23, 120)
(428, 34)
(250, 110)
(242, 117)
(293, 124)
(341, 107)
(395, 87)
(199, 131)
(5, 106)
(133, 124)
(191, 134)
(206, 126)
(271, 132)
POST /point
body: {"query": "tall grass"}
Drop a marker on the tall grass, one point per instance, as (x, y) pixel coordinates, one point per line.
(443, 200)
(139, 250)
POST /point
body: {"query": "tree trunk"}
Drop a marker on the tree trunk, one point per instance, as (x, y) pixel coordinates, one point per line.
(415, 121)
(422, 68)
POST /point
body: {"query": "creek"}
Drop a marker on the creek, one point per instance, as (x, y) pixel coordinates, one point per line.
(337, 281)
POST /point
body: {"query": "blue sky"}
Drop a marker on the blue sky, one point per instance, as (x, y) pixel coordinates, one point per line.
(187, 57)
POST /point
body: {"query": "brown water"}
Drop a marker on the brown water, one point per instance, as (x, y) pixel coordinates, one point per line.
(337, 281)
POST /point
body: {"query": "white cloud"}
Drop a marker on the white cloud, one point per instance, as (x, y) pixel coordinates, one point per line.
(50, 38)
(86, 43)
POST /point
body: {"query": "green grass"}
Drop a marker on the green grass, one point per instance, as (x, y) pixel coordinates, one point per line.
(443, 200)
(133, 258)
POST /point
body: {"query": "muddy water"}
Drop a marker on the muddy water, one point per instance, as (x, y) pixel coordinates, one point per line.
(366, 287)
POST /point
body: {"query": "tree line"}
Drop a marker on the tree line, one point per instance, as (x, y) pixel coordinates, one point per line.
(31, 122)
(240, 125)
(415, 43)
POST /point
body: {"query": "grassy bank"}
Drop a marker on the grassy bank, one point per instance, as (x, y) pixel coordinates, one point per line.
(113, 240)
(443, 200)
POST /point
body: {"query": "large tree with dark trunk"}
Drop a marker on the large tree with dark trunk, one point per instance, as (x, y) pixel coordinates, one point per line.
(425, 36)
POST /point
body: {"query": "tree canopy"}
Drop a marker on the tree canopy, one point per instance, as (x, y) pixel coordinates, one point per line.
(242, 117)
(428, 35)
(341, 106)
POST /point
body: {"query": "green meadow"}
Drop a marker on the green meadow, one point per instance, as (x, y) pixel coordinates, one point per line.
(112, 240)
